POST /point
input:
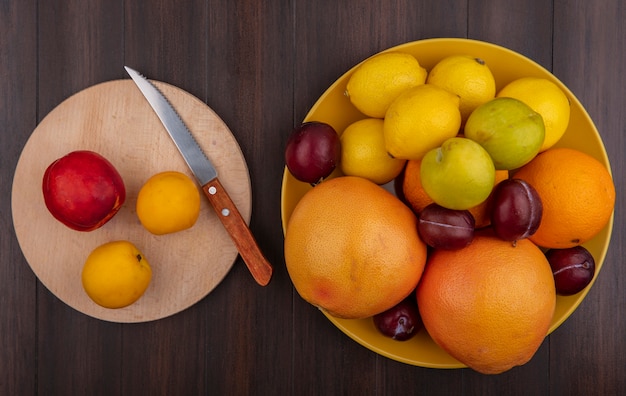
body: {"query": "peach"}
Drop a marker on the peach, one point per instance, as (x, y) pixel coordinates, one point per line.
(83, 190)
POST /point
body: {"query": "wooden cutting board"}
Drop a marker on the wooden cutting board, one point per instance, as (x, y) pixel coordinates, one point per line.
(115, 120)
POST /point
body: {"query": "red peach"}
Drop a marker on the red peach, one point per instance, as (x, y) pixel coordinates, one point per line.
(83, 190)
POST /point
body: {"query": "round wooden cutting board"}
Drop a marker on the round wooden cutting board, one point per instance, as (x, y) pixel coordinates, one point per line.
(115, 120)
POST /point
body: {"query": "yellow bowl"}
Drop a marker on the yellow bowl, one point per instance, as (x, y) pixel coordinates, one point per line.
(335, 109)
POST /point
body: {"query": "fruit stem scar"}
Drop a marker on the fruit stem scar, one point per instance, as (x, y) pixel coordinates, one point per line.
(584, 264)
(139, 258)
(444, 225)
(439, 154)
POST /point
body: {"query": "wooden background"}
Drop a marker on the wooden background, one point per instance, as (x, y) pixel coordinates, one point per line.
(261, 65)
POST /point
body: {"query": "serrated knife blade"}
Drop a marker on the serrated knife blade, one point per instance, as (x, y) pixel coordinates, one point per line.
(206, 175)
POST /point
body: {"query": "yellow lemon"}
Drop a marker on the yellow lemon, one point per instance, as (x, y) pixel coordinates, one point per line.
(419, 120)
(547, 99)
(377, 81)
(168, 202)
(116, 274)
(363, 152)
(466, 76)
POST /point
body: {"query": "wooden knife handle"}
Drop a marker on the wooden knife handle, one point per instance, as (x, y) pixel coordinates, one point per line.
(238, 230)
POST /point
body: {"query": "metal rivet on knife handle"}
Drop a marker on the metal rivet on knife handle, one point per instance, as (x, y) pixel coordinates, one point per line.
(249, 251)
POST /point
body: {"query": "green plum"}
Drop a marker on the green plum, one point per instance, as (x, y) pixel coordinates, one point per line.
(458, 175)
(510, 131)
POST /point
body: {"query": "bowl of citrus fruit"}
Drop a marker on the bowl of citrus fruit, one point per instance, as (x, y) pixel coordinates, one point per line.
(447, 203)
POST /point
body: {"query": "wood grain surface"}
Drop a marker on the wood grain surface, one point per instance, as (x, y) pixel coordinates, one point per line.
(261, 65)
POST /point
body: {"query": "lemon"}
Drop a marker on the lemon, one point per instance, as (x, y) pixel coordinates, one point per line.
(168, 202)
(363, 152)
(419, 120)
(116, 274)
(547, 99)
(377, 81)
(468, 77)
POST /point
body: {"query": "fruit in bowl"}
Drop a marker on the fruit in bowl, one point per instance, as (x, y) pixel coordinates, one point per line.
(352, 248)
(400, 322)
(313, 151)
(510, 130)
(83, 190)
(580, 136)
(489, 305)
(517, 210)
(446, 229)
(573, 269)
(458, 175)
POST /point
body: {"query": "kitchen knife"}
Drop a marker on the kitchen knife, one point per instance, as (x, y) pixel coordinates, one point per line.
(206, 175)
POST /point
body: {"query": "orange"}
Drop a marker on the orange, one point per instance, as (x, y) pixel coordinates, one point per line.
(490, 304)
(352, 248)
(412, 189)
(577, 193)
(418, 199)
